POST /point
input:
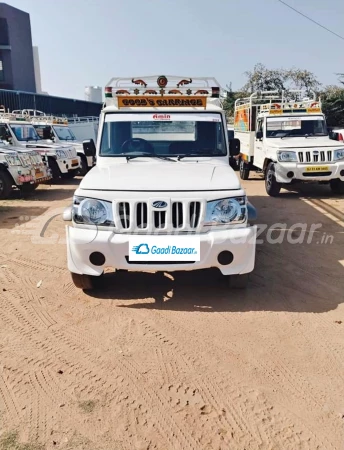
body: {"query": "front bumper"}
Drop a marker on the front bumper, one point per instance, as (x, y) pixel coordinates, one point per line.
(330, 171)
(42, 174)
(68, 164)
(115, 247)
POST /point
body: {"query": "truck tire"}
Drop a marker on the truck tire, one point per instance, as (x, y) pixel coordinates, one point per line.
(6, 184)
(28, 188)
(71, 174)
(272, 187)
(337, 186)
(244, 170)
(85, 282)
(83, 165)
(55, 171)
(238, 281)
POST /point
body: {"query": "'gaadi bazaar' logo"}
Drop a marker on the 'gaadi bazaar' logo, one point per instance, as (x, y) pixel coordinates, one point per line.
(161, 117)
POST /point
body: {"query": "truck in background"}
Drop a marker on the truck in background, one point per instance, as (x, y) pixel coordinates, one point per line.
(17, 130)
(284, 136)
(84, 128)
(21, 168)
(57, 130)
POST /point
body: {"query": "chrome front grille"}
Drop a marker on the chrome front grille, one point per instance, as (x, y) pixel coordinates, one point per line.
(315, 156)
(143, 217)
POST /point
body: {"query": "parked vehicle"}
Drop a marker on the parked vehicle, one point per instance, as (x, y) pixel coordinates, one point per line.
(16, 130)
(337, 134)
(84, 128)
(56, 130)
(162, 196)
(21, 168)
(284, 135)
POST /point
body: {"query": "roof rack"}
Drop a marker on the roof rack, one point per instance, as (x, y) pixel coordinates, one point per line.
(281, 102)
(160, 91)
(48, 120)
(83, 119)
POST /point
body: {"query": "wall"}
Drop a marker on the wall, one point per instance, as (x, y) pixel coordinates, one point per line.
(18, 59)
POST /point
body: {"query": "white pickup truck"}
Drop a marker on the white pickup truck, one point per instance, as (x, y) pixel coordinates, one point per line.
(17, 130)
(284, 136)
(162, 196)
(21, 168)
(56, 130)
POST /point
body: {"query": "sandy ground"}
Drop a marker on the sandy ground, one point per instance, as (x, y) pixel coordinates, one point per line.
(169, 363)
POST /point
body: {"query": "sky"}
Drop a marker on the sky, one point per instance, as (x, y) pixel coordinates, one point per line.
(87, 42)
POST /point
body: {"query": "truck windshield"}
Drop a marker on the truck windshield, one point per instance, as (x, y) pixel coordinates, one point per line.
(64, 133)
(25, 132)
(278, 127)
(160, 134)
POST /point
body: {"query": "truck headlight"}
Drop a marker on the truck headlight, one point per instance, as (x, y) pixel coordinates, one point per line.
(286, 156)
(61, 154)
(226, 211)
(89, 211)
(338, 154)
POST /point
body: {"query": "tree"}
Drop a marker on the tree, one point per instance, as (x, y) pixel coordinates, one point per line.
(264, 79)
(333, 105)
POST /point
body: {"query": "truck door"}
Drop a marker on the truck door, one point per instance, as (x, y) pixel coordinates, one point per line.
(259, 154)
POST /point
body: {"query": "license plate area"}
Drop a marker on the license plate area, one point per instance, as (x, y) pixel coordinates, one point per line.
(317, 169)
(164, 249)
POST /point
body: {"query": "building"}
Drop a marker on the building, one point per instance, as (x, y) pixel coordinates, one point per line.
(16, 54)
(93, 94)
(37, 68)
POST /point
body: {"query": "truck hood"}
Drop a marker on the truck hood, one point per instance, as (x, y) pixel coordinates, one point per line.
(160, 176)
(313, 142)
(46, 145)
(79, 148)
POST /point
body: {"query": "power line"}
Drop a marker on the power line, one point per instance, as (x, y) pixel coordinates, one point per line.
(308, 18)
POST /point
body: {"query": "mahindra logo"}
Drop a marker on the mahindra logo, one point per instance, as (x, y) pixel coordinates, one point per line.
(159, 204)
(161, 117)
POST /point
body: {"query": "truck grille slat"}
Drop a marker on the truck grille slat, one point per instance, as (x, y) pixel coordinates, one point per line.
(195, 214)
(159, 219)
(141, 215)
(124, 214)
(177, 214)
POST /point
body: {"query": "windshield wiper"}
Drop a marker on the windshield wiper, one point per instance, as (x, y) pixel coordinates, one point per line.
(200, 155)
(165, 158)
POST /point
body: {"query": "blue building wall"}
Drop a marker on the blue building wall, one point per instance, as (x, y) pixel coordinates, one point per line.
(16, 49)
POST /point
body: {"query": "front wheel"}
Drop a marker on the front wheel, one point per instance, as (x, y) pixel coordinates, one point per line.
(337, 186)
(5, 185)
(272, 187)
(55, 171)
(83, 166)
(244, 170)
(28, 188)
(85, 282)
(238, 281)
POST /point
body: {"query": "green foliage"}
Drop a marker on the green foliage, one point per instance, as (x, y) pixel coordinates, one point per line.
(263, 79)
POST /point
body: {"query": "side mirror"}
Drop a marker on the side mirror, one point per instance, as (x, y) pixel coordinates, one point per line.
(234, 147)
(259, 135)
(89, 147)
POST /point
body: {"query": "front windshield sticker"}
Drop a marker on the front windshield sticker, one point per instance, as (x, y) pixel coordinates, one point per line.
(285, 125)
(158, 102)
